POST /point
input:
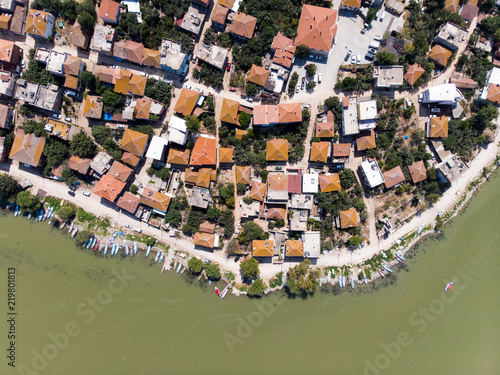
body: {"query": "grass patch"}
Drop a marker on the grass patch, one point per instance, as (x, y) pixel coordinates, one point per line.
(277, 281)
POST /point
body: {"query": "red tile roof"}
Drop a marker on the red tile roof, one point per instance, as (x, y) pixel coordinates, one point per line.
(128, 202)
(414, 72)
(204, 239)
(134, 142)
(294, 248)
(294, 183)
(109, 187)
(258, 191)
(366, 142)
(494, 93)
(80, 165)
(204, 152)
(243, 25)
(120, 171)
(263, 248)
(326, 129)
(186, 101)
(418, 171)
(290, 112)
(317, 27)
(242, 175)
(155, 199)
(348, 218)
(341, 150)
(319, 152)
(438, 127)
(178, 157)
(329, 183)
(27, 148)
(277, 150)
(109, 10)
(258, 75)
(276, 213)
(284, 50)
(277, 182)
(393, 177)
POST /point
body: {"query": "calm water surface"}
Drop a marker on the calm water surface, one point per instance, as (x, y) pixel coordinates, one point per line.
(76, 316)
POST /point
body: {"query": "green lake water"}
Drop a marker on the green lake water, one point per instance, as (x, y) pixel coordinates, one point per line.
(76, 316)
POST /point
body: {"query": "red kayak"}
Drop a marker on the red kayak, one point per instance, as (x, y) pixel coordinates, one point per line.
(217, 291)
(449, 286)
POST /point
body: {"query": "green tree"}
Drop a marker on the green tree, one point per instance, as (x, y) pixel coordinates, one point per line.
(67, 213)
(251, 231)
(257, 288)
(158, 90)
(301, 279)
(226, 191)
(192, 123)
(82, 237)
(195, 265)
(355, 241)
(28, 201)
(311, 69)
(163, 174)
(68, 176)
(372, 14)
(83, 146)
(249, 268)
(8, 186)
(112, 102)
(311, 85)
(88, 81)
(251, 89)
(302, 51)
(241, 188)
(213, 213)
(86, 21)
(212, 270)
(386, 58)
(347, 178)
(244, 119)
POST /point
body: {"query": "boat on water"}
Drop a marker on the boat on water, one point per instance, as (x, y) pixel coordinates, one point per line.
(114, 236)
(420, 229)
(127, 250)
(400, 256)
(135, 247)
(40, 214)
(352, 281)
(381, 273)
(29, 215)
(161, 257)
(364, 278)
(329, 276)
(89, 244)
(344, 280)
(148, 251)
(75, 231)
(387, 268)
(179, 268)
(399, 259)
(320, 282)
(63, 224)
(209, 282)
(16, 211)
(106, 249)
(85, 243)
(97, 245)
(223, 294)
(157, 256)
(217, 291)
(448, 286)
(113, 249)
(71, 227)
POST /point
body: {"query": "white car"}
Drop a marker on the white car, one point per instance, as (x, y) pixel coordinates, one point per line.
(189, 87)
(128, 226)
(200, 90)
(353, 59)
(297, 89)
(420, 97)
(86, 193)
(358, 61)
(320, 77)
(408, 102)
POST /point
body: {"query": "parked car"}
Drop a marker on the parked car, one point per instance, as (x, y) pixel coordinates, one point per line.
(353, 59)
(320, 77)
(369, 56)
(373, 51)
(189, 87)
(56, 115)
(420, 97)
(68, 119)
(435, 110)
(249, 99)
(297, 89)
(408, 102)
(23, 63)
(358, 61)
(128, 226)
(200, 90)
(86, 193)
(72, 193)
(72, 188)
(138, 230)
(228, 67)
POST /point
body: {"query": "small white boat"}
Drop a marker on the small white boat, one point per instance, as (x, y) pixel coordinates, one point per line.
(223, 294)
(148, 251)
(126, 249)
(364, 277)
(63, 224)
(157, 256)
(209, 282)
(75, 231)
(386, 268)
(179, 268)
(161, 257)
(329, 276)
(344, 279)
(71, 227)
(420, 228)
(106, 249)
(352, 281)
(135, 247)
(29, 215)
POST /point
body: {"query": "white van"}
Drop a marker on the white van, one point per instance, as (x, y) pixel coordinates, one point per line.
(381, 19)
(374, 44)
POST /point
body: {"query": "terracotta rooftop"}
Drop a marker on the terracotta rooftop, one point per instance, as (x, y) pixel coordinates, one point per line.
(227, 3)
(155, 199)
(393, 177)
(289, 112)
(240, 133)
(79, 37)
(243, 25)
(229, 111)
(469, 12)
(203, 177)
(329, 183)
(225, 155)
(186, 101)
(204, 152)
(242, 175)
(452, 5)
(319, 152)
(120, 171)
(134, 142)
(151, 57)
(277, 150)
(265, 114)
(284, 50)
(351, 3)
(263, 248)
(137, 84)
(348, 218)
(219, 14)
(81, 165)
(109, 10)
(440, 54)
(414, 72)
(258, 191)
(494, 93)
(277, 182)
(294, 248)
(204, 239)
(326, 129)
(109, 187)
(178, 157)
(10, 52)
(341, 150)
(438, 127)
(130, 159)
(72, 65)
(317, 27)
(258, 75)
(27, 148)
(71, 82)
(366, 142)
(207, 227)
(418, 171)
(276, 213)
(190, 176)
(294, 183)
(36, 22)
(128, 202)
(143, 108)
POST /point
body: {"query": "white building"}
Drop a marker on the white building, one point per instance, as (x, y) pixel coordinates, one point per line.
(177, 131)
(367, 114)
(310, 183)
(445, 94)
(312, 244)
(156, 150)
(371, 173)
(491, 90)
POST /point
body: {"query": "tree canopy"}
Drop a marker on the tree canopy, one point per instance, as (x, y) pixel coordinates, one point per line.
(301, 279)
(249, 268)
(195, 265)
(8, 186)
(212, 270)
(28, 201)
(257, 288)
(83, 146)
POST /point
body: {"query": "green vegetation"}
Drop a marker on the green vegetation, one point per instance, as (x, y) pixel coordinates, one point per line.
(174, 214)
(56, 152)
(386, 58)
(244, 119)
(372, 14)
(84, 216)
(107, 139)
(195, 265)
(249, 268)
(277, 281)
(31, 126)
(257, 288)
(226, 194)
(70, 11)
(311, 69)
(67, 212)
(301, 279)
(362, 82)
(28, 201)
(158, 90)
(8, 186)
(252, 89)
(195, 218)
(213, 271)
(302, 51)
(192, 123)
(210, 75)
(226, 219)
(82, 237)
(83, 146)
(251, 231)
(112, 102)
(293, 83)
(161, 173)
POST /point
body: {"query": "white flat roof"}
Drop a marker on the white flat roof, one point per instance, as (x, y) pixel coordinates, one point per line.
(310, 183)
(350, 118)
(156, 148)
(372, 173)
(367, 110)
(442, 93)
(494, 76)
(177, 131)
(312, 244)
